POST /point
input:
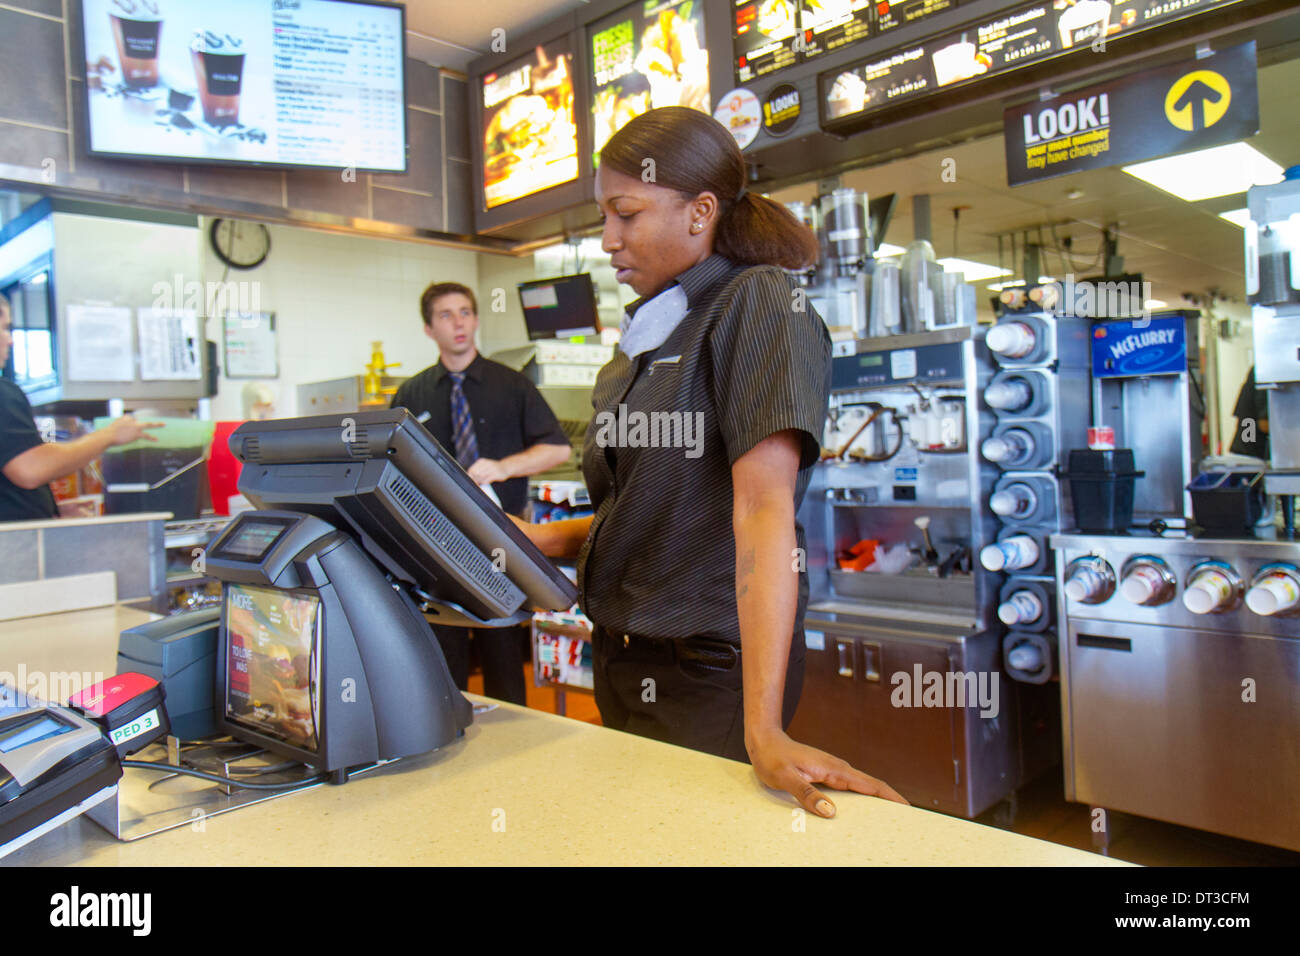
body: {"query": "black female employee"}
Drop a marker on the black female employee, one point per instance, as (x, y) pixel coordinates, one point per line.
(706, 428)
(28, 464)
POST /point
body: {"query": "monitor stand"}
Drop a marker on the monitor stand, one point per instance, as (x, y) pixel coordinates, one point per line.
(449, 613)
(149, 801)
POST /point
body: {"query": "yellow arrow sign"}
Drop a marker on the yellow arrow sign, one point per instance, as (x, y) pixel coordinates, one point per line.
(1202, 92)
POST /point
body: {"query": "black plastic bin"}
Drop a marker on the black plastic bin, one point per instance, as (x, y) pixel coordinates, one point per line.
(154, 479)
(1227, 503)
(1101, 489)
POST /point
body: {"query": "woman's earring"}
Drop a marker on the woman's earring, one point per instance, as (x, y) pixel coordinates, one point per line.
(696, 227)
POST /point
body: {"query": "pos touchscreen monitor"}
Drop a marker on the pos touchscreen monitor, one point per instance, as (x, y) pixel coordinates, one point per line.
(382, 477)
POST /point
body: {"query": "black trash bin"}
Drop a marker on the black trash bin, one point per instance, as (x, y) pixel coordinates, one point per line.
(1227, 504)
(1101, 489)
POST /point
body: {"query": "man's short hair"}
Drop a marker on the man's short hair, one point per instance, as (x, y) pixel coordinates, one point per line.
(437, 291)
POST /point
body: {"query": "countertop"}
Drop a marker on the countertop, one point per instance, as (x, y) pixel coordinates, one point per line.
(97, 520)
(522, 787)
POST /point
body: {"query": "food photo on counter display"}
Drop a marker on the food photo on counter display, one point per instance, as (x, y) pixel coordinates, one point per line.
(434, 441)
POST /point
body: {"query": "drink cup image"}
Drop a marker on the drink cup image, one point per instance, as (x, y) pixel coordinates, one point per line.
(848, 94)
(956, 62)
(137, 26)
(219, 70)
(1084, 22)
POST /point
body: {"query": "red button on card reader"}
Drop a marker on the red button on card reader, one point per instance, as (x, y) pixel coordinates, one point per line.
(129, 707)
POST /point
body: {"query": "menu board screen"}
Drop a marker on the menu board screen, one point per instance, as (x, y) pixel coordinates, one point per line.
(289, 83)
(271, 678)
(530, 139)
(873, 85)
(991, 47)
(831, 24)
(765, 36)
(1027, 34)
(648, 55)
(901, 12)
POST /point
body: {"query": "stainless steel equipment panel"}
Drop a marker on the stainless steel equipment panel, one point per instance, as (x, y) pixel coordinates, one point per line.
(1180, 554)
(1160, 722)
(1185, 717)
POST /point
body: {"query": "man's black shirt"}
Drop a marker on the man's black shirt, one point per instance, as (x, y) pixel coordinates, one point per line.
(509, 415)
(18, 434)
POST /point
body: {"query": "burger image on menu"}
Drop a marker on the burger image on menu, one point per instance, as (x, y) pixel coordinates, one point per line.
(530, 142)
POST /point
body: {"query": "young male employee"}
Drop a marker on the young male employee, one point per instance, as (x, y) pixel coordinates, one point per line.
(501, 431)
(27, 464)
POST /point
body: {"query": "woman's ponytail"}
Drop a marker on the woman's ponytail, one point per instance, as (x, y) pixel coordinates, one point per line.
(759, 230)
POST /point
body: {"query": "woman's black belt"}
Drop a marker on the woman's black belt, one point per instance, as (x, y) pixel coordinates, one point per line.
(712, 652)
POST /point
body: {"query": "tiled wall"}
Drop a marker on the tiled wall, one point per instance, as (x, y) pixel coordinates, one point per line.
(42, 124)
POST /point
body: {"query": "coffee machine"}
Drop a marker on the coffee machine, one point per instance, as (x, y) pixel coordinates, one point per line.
(1273, 285)
(849, 228)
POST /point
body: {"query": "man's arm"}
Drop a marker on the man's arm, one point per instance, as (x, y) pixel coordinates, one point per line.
(40, 465)
(545, 443)
(530, 461)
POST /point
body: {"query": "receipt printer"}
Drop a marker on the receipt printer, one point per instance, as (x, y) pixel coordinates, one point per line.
(54, 765)
(180, 652)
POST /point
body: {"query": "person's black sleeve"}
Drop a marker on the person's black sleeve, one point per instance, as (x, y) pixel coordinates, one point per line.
(771, 356)
(1247, 402)
(401, 398)
(18, 431)
(541, 427)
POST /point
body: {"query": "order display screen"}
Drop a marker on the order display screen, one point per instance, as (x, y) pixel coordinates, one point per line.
(272, 663)
(24, 732)
(277, 82)
(252, 541)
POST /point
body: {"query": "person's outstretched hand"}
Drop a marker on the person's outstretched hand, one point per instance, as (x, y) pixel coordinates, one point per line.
(785, 764)
(124, 430)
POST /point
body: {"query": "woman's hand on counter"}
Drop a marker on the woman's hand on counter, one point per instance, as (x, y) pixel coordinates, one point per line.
(786, 764)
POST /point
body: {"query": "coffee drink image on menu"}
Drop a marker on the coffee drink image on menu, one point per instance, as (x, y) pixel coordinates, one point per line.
(219, 68)
(137, 25)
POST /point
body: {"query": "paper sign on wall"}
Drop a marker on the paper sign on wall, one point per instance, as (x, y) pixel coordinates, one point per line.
(250, 345)
(169, 344)
(99, 344)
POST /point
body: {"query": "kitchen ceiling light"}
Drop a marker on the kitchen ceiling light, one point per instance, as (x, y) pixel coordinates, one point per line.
(1207, 173)
(1238, 217)
(886, 249)
(973, 271)
(1015, 284)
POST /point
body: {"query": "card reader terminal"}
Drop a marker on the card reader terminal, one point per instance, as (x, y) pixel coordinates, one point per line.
(51, 761)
